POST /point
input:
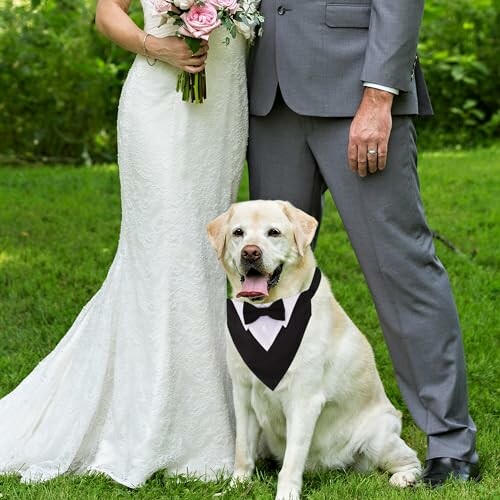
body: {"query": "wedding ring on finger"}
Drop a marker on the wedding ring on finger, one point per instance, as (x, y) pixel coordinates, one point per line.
(372, 152)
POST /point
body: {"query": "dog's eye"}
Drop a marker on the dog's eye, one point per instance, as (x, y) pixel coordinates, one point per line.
(273, 232)
(238, 232)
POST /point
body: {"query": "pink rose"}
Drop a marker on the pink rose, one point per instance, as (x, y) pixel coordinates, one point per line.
(161, 6)
(231, 5)
(200, 21)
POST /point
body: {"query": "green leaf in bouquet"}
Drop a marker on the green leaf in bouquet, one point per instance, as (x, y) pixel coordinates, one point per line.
(193, 43)
(229, 25)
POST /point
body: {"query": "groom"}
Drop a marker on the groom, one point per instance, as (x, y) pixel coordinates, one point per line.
(332, 87)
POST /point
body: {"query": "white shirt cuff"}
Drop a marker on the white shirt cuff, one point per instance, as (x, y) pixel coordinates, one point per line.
(381, 87)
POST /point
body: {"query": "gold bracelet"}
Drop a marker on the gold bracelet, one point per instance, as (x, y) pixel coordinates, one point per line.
(146, 50)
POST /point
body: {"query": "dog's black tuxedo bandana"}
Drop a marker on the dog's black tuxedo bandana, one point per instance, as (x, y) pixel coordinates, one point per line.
(270, 366)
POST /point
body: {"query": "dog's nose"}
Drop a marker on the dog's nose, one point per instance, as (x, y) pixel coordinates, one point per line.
(251, 253)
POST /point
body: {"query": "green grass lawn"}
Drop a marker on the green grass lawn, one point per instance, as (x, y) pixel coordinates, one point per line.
(58, 234)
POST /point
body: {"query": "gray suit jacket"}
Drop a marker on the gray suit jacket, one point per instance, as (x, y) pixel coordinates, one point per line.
(321, 51)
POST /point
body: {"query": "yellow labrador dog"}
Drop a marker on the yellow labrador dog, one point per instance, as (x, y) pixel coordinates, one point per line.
(328, 408)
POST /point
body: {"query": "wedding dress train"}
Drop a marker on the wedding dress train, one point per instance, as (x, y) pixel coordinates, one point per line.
(139, 382)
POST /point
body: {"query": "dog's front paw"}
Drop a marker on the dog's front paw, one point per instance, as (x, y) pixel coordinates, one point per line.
(405, 478)
(240, 476)
(287, 493)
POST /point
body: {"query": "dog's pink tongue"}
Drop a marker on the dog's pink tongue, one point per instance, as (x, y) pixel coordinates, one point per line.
(254, 286)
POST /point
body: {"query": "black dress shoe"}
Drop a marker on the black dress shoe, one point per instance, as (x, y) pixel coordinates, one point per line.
(438, 470)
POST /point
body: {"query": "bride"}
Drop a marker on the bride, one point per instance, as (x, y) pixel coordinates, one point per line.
(139, 381)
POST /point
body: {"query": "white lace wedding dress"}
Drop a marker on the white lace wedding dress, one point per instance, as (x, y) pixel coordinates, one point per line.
(139, 382)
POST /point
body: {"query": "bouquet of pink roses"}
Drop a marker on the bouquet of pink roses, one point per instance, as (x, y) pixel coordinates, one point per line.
(197, 19)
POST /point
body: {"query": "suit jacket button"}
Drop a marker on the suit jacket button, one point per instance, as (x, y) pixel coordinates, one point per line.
(281, 10)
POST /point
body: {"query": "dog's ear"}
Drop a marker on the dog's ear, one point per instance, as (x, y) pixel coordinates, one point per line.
(217, 232)
(304, 226)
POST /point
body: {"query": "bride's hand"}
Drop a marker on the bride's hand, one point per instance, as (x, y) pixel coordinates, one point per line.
(174, 50)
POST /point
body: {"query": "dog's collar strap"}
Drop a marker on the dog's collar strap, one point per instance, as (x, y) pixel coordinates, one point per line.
(271, 366)
(314, 284)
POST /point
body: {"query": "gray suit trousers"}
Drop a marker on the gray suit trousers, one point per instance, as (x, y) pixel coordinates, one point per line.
(296, 158)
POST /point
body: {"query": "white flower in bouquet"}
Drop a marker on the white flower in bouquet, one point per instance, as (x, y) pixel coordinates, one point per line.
(184, 4)
(246, 29)
(248, 20)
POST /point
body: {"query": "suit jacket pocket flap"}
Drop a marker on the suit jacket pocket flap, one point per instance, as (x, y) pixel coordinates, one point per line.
(341, 15)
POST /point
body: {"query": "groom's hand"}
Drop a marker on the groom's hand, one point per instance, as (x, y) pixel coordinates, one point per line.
(370, 131)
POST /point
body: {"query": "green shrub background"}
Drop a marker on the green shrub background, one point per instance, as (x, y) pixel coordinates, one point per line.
(60, 80)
